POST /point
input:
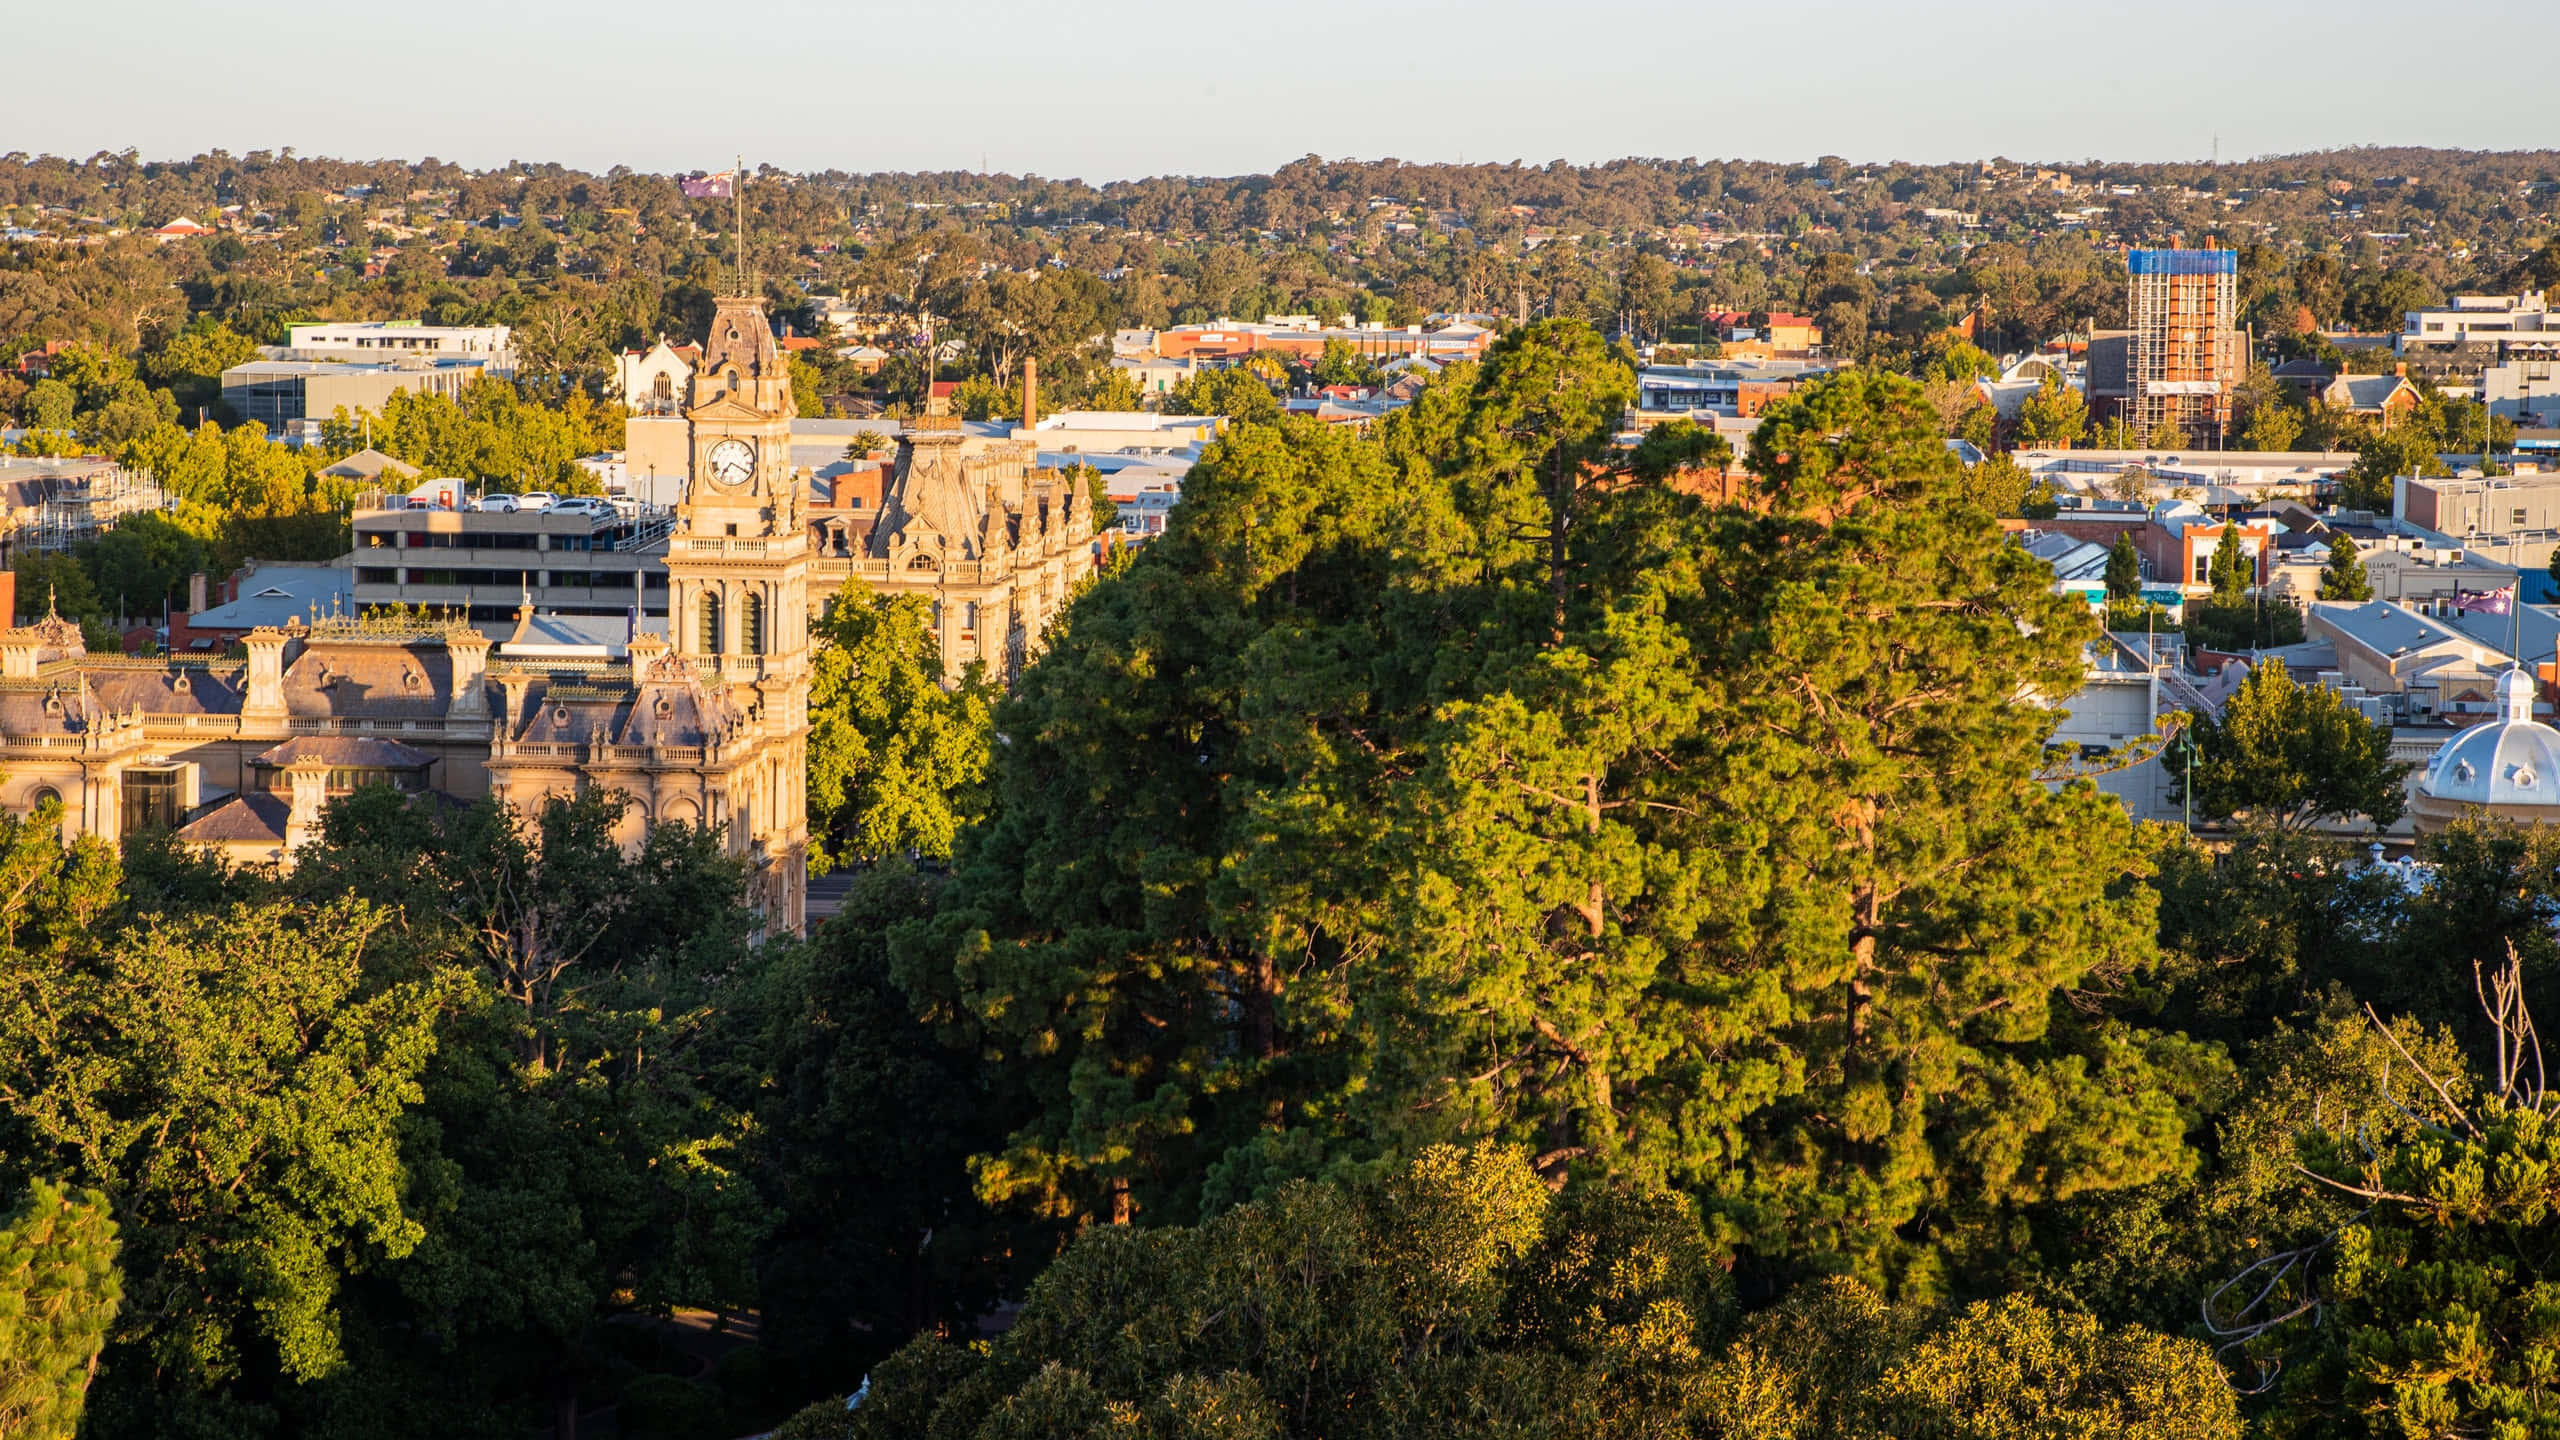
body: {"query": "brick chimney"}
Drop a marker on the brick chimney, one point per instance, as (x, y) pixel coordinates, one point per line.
(196, 594)
(1030, 393)
(8, 598)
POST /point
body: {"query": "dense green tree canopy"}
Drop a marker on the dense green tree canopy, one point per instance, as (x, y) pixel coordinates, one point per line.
(1521, 797)
(896, 758)
(2293, 754)
(2124, 569)
(2054, 415)
(2343, 578)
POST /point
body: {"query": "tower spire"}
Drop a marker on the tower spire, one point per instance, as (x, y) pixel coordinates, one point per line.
(738, 194)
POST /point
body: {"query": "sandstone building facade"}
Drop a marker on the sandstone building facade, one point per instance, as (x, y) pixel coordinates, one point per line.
(708, 726)
(977, 527)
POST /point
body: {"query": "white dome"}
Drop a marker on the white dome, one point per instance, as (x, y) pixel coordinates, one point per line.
(2514, 761)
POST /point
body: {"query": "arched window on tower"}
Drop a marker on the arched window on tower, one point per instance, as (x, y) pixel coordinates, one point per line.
(710, 607)
(751, 625)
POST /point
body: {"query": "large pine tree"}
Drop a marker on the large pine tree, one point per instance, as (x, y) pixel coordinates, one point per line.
(1473, 782)
(59, 1289)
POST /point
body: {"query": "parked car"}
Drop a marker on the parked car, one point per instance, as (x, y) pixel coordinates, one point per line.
(587, 505)
(496, 505)
(536, 500)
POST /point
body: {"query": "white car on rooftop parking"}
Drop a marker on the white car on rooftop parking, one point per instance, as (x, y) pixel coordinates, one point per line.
(496, 505)
(536, 500)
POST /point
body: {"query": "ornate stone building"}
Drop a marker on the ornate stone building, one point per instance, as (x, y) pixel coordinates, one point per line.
(708, 726)
(974, 525)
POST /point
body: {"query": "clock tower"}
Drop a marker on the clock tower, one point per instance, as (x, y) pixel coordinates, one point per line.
(738, 587)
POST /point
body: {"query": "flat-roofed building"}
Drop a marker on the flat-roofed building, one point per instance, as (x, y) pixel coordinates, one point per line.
(2498, 506)
(486, 566)
(1121, 432)
(276, 393)
(2479, 317)
(492, 345)
(1738, 388)
(2209, 477)
(2523, 389)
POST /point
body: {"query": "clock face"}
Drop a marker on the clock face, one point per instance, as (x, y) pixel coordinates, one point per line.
(732, 462)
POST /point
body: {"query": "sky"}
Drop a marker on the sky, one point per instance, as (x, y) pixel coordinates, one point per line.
(1117, 89)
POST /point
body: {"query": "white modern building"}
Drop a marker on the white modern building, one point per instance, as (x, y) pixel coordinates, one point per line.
(2208, 477)
(2123, 695)
(380, 340)
(1121, 432)
(2480, 317)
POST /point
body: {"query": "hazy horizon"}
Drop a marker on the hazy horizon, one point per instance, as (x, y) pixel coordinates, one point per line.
(1107, 91)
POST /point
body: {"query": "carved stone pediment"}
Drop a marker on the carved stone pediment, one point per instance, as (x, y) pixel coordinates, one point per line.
(727, 406)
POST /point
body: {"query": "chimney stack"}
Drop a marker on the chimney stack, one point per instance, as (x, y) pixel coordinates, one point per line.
(195, 594)
(264, 697)
(1030, 393)
(309, 778)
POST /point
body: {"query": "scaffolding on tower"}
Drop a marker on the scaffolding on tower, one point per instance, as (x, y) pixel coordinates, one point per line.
(2185, 358)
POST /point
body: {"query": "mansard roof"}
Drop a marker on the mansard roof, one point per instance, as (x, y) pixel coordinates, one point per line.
(673, 707)
(48, 707)
(179, 690)
(567, 713)
(378, 680)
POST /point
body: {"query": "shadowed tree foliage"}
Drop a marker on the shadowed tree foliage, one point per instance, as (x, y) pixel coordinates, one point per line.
(1455, 1297)
(861, 1146)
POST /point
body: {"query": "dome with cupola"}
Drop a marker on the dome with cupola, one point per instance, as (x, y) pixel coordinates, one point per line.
(2509, 767)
